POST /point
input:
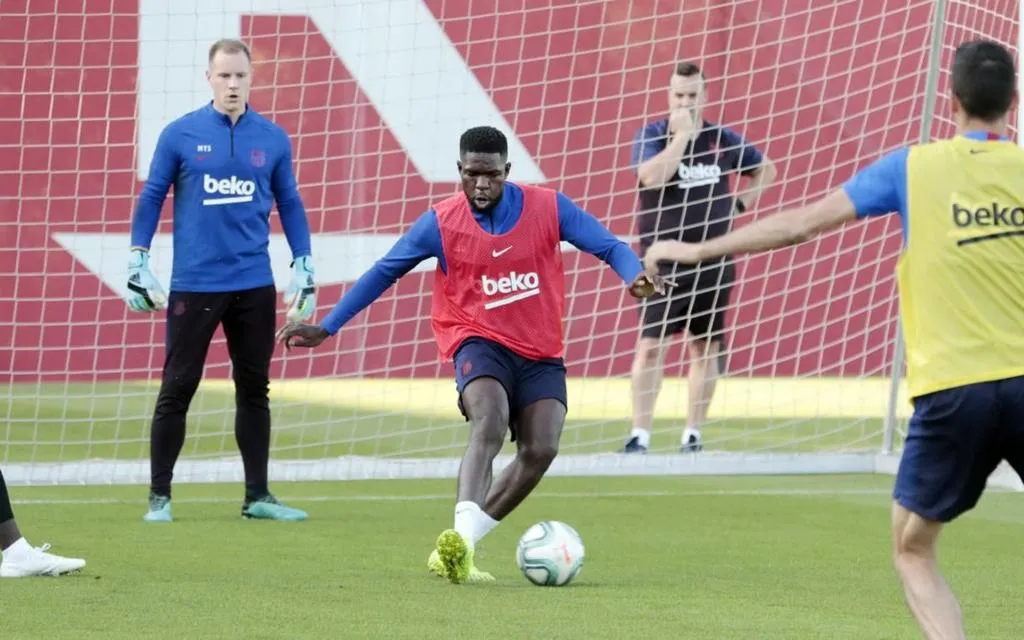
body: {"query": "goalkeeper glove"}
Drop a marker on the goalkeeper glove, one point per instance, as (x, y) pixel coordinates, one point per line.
(300, 296)
(144, 292)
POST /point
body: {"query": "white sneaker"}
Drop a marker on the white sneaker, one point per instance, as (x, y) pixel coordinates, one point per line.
(35, 561)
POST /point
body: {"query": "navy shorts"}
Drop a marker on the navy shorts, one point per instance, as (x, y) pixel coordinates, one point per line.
(955, 440)
(698, 303)
(526, 381)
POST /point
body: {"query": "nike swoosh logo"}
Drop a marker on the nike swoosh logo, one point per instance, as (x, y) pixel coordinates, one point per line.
(496, 254)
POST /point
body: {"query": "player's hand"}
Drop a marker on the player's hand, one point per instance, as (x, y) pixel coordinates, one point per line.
(646, 285)
(672, 250)
(300, 296)
(144, 292)
(305, 335)
(680, 123)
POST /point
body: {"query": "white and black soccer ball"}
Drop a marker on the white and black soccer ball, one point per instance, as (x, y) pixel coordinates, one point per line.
(550, 554)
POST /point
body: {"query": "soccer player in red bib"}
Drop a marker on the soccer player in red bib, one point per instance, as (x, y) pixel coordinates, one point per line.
(497, 313)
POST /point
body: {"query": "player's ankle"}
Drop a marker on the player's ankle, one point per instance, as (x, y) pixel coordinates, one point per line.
(484, 525)
(466, 513)
(643, 436)
(254, 492)
(16, 548)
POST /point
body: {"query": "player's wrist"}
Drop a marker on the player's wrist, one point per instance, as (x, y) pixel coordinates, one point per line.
(328, 327)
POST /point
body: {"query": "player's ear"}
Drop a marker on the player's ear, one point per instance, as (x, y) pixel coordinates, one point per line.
(458, 166)
(508, 168)
(954, 105)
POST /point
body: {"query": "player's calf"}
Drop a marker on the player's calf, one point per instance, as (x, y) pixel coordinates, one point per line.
(928, 595)
(645, 383)
(539, 429)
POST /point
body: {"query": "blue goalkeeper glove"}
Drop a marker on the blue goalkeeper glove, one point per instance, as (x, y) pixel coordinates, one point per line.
(144, 292)
(300, 296)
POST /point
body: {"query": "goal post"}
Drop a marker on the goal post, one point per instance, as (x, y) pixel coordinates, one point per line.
(927, 121)
(374, 94)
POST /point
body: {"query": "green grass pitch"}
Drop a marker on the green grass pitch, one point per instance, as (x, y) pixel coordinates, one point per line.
(667, 557)
(752, 557)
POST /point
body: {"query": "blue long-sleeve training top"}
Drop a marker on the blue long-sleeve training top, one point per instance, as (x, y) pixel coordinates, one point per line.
(226, 179)
(423, 241)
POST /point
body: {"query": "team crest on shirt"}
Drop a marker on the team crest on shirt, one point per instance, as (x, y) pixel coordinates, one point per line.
(258, 157)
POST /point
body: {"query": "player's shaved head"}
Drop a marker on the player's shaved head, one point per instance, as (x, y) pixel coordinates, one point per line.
(984, 81)
(483, 140)
(483, 166)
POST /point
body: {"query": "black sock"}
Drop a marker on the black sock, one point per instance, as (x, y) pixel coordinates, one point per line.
(8, 528)
(6, 510)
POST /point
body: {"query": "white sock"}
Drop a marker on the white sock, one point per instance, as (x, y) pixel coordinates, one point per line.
(17, 548)
(690, 431)
(484, 525)
(643, 437)
(467, 515)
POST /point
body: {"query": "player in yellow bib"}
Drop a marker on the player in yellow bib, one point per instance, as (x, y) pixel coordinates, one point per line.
(961, 290)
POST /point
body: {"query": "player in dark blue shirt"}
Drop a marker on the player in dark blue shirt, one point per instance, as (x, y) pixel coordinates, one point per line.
(228, 166)
(682, 165)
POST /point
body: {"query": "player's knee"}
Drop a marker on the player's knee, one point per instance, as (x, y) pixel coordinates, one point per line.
(176, 392)
(911, 545)
(648, 353)
(539, 455)
(252, 387)
(488, 429)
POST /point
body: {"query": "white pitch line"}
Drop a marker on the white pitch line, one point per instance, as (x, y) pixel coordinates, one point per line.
(450, 496)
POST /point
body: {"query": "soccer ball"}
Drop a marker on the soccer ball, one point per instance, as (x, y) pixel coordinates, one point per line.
(550, 554)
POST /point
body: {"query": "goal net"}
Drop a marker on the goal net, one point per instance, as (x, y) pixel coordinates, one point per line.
(374, 95)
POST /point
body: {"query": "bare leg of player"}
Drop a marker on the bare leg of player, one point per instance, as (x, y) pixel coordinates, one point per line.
(702, 379)
(486, 405)
(647, 373)
(928, 595)
(539, 428)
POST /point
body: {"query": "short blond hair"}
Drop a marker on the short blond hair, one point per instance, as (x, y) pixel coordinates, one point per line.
(229, 45)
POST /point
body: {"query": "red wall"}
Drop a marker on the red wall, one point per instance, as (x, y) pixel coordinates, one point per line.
(823, 87)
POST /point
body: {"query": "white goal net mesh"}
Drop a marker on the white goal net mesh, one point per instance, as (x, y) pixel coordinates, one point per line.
(375, 95)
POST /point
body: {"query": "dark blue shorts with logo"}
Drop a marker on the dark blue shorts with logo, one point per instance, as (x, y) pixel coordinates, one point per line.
(955, 440)
(525, 381)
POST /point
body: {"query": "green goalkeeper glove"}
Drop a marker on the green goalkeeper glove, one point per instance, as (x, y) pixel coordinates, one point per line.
(144, 292)
(300, 296)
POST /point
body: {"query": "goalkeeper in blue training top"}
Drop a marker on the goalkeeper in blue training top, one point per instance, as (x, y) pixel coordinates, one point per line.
(228, 165)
